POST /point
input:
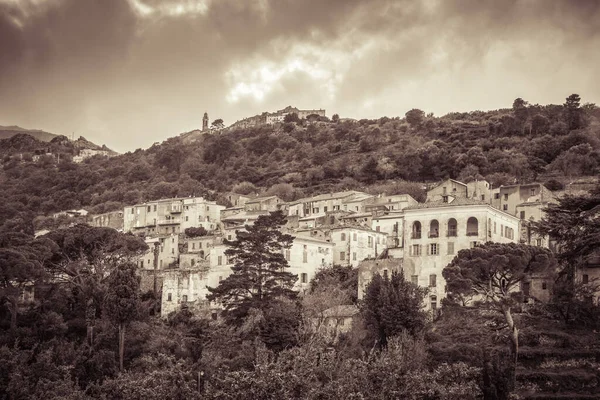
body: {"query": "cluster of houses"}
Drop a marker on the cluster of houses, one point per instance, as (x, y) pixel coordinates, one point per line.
(278, 116)
(376, 233)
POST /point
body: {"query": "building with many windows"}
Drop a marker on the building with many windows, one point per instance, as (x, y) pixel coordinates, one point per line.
(435, 232)
(168, 216)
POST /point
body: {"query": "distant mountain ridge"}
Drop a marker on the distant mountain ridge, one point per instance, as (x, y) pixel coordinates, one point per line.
(19, 143)
(12, 130)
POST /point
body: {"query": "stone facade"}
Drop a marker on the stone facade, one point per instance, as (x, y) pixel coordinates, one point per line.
(434, 233)
(172, 216)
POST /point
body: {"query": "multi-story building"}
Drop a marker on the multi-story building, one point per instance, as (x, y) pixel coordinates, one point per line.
(451, 189)
(352, 244)
(168, 252)
(393, 225)
(324, 203)
(280, 115)
(166, 216)
(507, 198)
(526, 202)
(435, 232)
(266, 203)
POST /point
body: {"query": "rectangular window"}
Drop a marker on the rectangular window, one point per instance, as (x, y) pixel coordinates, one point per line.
(450, 248)
(155, 207)
(342, 256)
(433, 249)
(304, 277)
(496, 196)
(219, 260)
(501, 230)
(432, 280)
(444, 199)
(184, 298)
(505, 207)
(169, 298)
(522, 214)
(506, 196)
(305, 256)
(370, 241)
(142, 264)
(325, 209)
(494, 227)
(172, 251)
(149, 209)
(186, 219)
(416, 250)
(385, 273)
(483, 197)
(533, 192)
(193, 262)
(473, 244)
(354, 237)
(354, 256)
(414, 279)
(378, 228)
(193, 246)
(585, 279)
(544, 286)
(343, 237)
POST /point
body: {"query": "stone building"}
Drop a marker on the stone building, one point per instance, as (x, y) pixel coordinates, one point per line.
(352, 244)
(435, 232)
(168, 252)
(167, 216)
(323, 203)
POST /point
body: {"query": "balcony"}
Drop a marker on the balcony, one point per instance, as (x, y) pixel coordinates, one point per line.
(452, 233)
(434, 234)
(473, 233)
(175, 209)
(172, 221)
(416, 235)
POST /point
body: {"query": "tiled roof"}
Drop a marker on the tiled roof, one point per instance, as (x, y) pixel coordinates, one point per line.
(458, 201)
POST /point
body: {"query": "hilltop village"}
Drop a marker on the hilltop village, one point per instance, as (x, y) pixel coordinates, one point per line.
(377, 233)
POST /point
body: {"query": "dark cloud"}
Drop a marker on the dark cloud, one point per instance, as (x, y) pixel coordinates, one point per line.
(128, 73)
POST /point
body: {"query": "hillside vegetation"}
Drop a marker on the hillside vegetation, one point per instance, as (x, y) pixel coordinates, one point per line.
(299, 157)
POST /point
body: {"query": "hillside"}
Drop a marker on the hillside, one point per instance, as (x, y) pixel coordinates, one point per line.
(520, 144)
(10, 131)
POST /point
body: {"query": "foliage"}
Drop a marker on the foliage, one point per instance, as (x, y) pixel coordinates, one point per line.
(492, 275)
(392, 305)
(258, 275)
(195, 232)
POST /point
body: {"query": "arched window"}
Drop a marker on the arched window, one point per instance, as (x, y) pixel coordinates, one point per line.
(434, 229)
(416, 230)
(472, 227)
(452, 227)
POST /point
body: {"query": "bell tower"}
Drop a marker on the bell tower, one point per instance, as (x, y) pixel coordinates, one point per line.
(205, 122)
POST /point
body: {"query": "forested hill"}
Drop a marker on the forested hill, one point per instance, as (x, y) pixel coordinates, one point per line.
(297, 158)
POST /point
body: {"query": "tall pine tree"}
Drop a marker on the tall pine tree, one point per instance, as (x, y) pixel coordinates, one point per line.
(259, 272)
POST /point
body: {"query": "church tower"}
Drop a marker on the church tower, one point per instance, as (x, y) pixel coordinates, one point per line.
(205, 122)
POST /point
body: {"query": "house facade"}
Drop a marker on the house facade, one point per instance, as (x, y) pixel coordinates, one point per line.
(435, 232)
(167, 216)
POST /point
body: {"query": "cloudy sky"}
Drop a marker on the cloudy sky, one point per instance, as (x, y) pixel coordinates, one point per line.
(131, 72)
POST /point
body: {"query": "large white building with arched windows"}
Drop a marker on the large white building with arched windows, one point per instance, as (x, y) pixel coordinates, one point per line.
(435, 232)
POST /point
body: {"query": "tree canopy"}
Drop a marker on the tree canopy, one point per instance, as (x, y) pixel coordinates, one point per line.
(259, 273)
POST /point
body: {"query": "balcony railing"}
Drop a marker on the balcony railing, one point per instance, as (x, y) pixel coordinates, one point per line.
(172, 221)
(473, 233)
(434, 234)
(452, 233)
(416, 235)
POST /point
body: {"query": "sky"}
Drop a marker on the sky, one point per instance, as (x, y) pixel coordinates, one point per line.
(128, 73)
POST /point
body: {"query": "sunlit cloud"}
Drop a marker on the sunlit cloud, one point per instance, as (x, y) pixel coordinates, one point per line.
(175, 8)
(323, 65)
